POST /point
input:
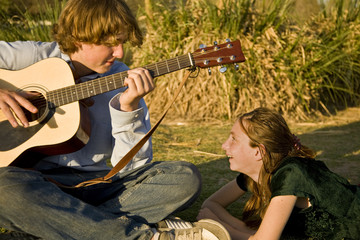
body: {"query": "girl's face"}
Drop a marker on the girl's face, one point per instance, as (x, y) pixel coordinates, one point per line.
(242, 157)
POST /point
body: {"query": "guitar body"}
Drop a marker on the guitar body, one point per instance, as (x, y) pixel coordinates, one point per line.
(56, 131)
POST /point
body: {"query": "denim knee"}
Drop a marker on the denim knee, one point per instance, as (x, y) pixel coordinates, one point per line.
(14, 175)
(188, 176)
(14, 181)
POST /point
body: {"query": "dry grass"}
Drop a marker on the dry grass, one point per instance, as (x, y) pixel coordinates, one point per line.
(298, 70)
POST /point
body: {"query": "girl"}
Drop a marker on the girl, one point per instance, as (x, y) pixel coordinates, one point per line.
(292, 194)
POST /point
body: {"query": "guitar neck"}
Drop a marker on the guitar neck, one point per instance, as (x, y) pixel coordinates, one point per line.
(97, 86)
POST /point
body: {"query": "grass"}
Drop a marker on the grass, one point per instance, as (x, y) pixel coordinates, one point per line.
(27, 26)
(335, 139)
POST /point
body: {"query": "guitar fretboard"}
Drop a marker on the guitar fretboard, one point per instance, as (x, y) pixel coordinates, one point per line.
(97, 86)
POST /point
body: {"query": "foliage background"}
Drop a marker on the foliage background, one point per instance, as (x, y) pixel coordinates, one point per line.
(302, 59)
(302, 56)
(299, 67)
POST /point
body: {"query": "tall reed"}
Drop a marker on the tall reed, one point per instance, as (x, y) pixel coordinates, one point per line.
(296, 69)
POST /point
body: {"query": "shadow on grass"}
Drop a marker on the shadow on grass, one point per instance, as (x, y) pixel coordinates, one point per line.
(338, 147)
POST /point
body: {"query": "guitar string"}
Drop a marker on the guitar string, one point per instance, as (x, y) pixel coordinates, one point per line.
(166, 66)
(171, 64)
(102, 83)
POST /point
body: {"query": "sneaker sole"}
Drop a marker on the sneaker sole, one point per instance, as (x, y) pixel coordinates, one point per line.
(214, 227)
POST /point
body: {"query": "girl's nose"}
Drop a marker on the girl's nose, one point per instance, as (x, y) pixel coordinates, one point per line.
(223, 146)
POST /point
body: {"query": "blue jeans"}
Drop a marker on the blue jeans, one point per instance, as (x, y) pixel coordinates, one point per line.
(123, 209)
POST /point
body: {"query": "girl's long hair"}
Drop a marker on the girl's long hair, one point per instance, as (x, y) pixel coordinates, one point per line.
(269, 131)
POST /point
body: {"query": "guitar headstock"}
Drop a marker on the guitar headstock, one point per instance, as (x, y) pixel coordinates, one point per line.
(217, 55)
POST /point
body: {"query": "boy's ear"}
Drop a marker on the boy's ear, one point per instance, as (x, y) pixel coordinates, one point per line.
(78, 45)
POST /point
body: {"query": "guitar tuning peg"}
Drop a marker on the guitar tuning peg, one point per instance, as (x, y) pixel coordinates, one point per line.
(209, 71)
(202, 46)
(223, 69)
(236, 66)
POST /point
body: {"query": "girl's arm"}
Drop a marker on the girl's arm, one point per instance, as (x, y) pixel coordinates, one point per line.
(275, 218)
(215, 208)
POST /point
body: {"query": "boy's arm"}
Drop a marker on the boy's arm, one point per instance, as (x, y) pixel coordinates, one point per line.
(130, 118)
(127, 129)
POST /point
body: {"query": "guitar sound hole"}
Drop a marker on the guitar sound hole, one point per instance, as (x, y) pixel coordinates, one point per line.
(40, 103)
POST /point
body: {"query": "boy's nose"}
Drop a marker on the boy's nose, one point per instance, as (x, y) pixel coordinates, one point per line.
(118, 51)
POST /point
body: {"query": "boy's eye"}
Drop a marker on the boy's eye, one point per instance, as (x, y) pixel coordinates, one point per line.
(114, 41)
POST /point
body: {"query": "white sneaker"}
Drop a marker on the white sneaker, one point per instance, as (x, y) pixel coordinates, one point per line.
(205, 229)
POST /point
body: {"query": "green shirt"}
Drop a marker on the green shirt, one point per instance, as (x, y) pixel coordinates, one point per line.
(335, 203)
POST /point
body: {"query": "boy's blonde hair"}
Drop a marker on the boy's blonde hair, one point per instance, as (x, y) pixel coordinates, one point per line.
(108, 22)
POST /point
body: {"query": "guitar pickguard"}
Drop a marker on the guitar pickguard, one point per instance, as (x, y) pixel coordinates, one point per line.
(19, 135)
(16, 136)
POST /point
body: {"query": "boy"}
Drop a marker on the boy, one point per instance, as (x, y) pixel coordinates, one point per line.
(89, 36)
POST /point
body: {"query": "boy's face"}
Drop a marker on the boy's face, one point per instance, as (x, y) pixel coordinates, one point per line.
(97, 58)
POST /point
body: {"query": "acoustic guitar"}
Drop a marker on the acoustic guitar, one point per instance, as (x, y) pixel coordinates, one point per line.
(59, 126)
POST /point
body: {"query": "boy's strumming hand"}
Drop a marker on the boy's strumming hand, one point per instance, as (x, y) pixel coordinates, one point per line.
(11, 103)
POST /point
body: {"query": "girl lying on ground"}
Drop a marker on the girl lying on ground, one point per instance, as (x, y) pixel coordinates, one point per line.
(292, 194)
